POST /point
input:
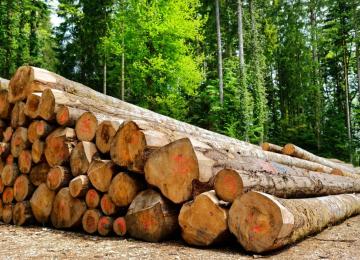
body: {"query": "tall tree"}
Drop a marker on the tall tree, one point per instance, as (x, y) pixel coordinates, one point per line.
(219, 44)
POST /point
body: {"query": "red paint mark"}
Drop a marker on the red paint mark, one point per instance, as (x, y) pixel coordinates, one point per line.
(17, 140)
(40, 128)
(120, 222)
(256, 229)
(147, 222)
(181, 165)
(86, 124)
(92, 194)
(63, 117)
(230, 184)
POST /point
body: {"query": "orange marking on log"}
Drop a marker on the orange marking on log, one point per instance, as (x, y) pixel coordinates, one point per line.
(181, 165)
(40, 127)
(147, 222)
(17, 140)
(230, 184)
(104, 223)
(63, 117)
(90, 222)
(92, 194)
(85, 125)
(256, 229)
(120, 222)
(134, 140)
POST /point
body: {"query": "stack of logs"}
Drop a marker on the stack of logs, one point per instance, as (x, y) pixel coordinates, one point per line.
(72, 157)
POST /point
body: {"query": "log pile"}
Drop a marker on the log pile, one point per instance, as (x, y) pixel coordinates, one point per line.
(72, 158)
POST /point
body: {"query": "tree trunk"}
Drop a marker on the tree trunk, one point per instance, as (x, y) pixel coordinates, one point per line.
(194, 230)
(79, 186)
(58, 177)
(219, 49)
(90, 220)
(19, 141)
(67, 211)
(271, 147)
(151, 217)
(23, 189)
(42, 203)
(262, 222)
(104, 135)
(100, 174)
(241, 38)
(81, 157)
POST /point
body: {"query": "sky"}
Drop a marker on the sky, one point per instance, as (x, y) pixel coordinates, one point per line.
(55, 20)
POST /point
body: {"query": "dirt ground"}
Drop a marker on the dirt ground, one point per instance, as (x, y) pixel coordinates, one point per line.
(337, 242)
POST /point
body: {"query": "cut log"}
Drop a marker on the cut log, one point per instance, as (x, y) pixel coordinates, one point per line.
(8, 195)
(133, 143)
(23, 189)
(22, 213)
(2, 186)
(47, 106)
(104, 135)
(19, 141)
(67, 116)
(58, 177)
(203, 221)
(10, 159)
(86, 126)
(90, 220)
(7, 213)
(151, 217)
(59, 145)
(4, 83)
(18, 117)
(298, 152)
(37, 151)
(5, 106)
(119, 226)
(42, 203)
(105, 225)
(107, 205)
(79, 186)
(9, 174)
(4, 150)
(81, 157)
(38, 174)
(7, 134)
(25, 161)
(124, 187)
(32, 105)
(1, 209)
(262, 222)
(32, 136)
(271, 147)
(92, 199)
(38, 130)
(100, 174)
(67, 211)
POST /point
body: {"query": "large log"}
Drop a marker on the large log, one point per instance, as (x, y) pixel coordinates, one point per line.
(67, 211)
(47, 105)
(22, 213)
(81, 157)
(9, 174)
(151, 217)
(42, 203)
(203, 221)
(86, 126)
(100, 174)
(23, 189)
(262, 222)
(18, 117)
(38, 129)
(298, 152)
(124, 187)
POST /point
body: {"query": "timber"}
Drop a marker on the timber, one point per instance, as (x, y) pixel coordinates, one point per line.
(90, 220)
(105, 225)
(4, 149)
(23, 189)
(9, 174)
(8, 195)
(32, 105)
(58, 177)
(271, 147)
(19, 141)
(5, 106)
(119, 226)
(18, 117)
(79, 186)
(7, 134)
(25, 161)
(42, 203)
(37, 151)
(104, 135)
(92, 199)
(81, 157)
(151, 217)
(47, 105)
(86, 126)
(100, 174)
(7, 213)
(107, 205)
(38, 173)
(22, 213)
(262, 222)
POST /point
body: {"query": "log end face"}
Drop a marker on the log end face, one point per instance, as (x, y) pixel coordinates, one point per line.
(172, 169)
(104, 136)
(228, 185)
(86, 126)
(288, 149)
(63, 116)
(19, 85)
(265, 146)
(259, 221)
(119, 226)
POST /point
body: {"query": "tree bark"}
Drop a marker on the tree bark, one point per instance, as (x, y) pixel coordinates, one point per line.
(262, 222)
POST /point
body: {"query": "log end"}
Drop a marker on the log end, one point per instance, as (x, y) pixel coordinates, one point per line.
(228, 185)
(86, 126)
(119, 226)
(288, 149)
(19, 86)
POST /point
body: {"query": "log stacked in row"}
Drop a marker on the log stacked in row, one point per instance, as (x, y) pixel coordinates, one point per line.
(71, 157)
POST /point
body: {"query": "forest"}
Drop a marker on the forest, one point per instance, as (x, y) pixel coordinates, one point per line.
(279, 70)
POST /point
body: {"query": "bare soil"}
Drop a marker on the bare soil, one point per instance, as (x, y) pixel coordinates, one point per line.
(337, 242)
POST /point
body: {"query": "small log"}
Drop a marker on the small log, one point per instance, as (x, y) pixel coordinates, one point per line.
(151, 217)
(105, 225)
(42, 202)
(262, 222)
(90, 220)
(119, 226)
(32, 105)
(100, 174)
(19, 141)
(22, 213)
(58, 177)
(37, 151)
(9, 174)
(107, 206)
(2, 186)
(132, 145)
(79, 186)
(7, 134)
(271, 147)
(4, 149)
(8, 195)
(67, 211)
(203, 221)
(92, 199)
(23, 189)
(123, 189)
(5, 106)
(39, 129)
(67, 116)
(18, 117)
(104, 135)
(32, 136)
(86, 126)
(81, 157)
(47, 105)
(25, 161)
(38, 174)
(7, 213)
(59, 145)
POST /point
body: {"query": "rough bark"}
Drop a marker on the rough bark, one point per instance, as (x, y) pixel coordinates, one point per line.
(100, 174)
(58, 177)
(42, 202)
(219, 51)
(262, 222)
(151, 217)
(81, 157)
(196, 231)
